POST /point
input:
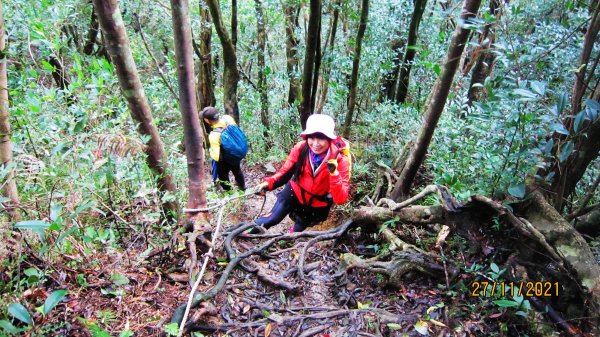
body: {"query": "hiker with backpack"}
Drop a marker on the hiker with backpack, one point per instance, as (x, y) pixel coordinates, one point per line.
(316, 175)
(228, 146)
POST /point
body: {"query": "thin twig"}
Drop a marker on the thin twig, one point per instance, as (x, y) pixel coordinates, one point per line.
(158, 68)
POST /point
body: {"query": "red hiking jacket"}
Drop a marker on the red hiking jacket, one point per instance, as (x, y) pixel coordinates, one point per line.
(312, 190)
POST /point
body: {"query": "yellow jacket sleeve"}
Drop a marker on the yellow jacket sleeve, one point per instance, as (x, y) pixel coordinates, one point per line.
(214, 138)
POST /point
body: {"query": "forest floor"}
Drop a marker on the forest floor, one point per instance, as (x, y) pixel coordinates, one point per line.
(124, 290)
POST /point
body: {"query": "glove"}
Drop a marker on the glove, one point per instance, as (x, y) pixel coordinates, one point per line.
(332, 167)
(262, 187)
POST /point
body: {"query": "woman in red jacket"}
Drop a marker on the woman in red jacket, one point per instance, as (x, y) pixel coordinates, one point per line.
(316, 174)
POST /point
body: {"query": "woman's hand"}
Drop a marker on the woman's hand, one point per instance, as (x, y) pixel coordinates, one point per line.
(332, 167)
(262, 187)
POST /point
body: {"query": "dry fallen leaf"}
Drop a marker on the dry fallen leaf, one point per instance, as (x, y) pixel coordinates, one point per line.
(268, 329)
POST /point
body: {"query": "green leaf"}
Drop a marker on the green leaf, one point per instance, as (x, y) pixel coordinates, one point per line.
(394, 326)
(592, 104)
(517, 191)
(19, 312)
(421, 327)
(524, 93)
(32, 224)
(126, 333)
(119, 279)
(97, 331)
(559, 128)
(53, 300)
(7, 327)
(494, 267)
(171, 329)
(437, 69)
(521, 313)
(506, 303)
(548, 147)
(538, 87)
(563, 99)
(579, 118)
(565, 151)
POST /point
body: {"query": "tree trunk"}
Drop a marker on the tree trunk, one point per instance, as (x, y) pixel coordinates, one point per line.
(391, 78)
(206, 92)
(58, 74)
(584, 141)
(436, 105)
(9, 188)
(119, 50)
(581, 76)
(364, 16)
(92, 35)
(411, 51)
(291, 51)
(234, 23)
(231, 75)
(483, 57)
(261, 37)
(193, 133)
(306, 100)
(317, 68)
(329, 52)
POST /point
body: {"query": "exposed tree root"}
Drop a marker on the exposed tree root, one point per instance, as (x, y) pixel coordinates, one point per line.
(542, 227)
(237, 259)
(327, 235)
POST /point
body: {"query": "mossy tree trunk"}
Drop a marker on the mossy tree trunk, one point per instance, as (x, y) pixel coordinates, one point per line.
(327, 57)
(9, 186)
(118, 47)
(206, 92)
(439, 95)
(362, 26)
(483, 58)
(410, 51)
(261, 37)
(231, 75)
(310, 59)
(291, 13)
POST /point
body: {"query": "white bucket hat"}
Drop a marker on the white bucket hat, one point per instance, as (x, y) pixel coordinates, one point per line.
(319, 123)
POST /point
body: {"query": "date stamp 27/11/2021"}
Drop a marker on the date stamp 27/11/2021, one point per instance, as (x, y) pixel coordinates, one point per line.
(528, 289)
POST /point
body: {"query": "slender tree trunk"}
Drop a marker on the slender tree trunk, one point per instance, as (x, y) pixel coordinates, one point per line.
(58, 74)
(364, 16)
(92, 35)
(193, 133)
(261, 37)
(391, 78)
(411, 51)
(484, 58)
(119, 50)
(9, 188)
(327, 57)
(206, 92)
(231, 76)
(318, 59)
(580, 76)
(306, 100)
(585, 141)
(291, 50)
(234, 23)
(435, 107)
